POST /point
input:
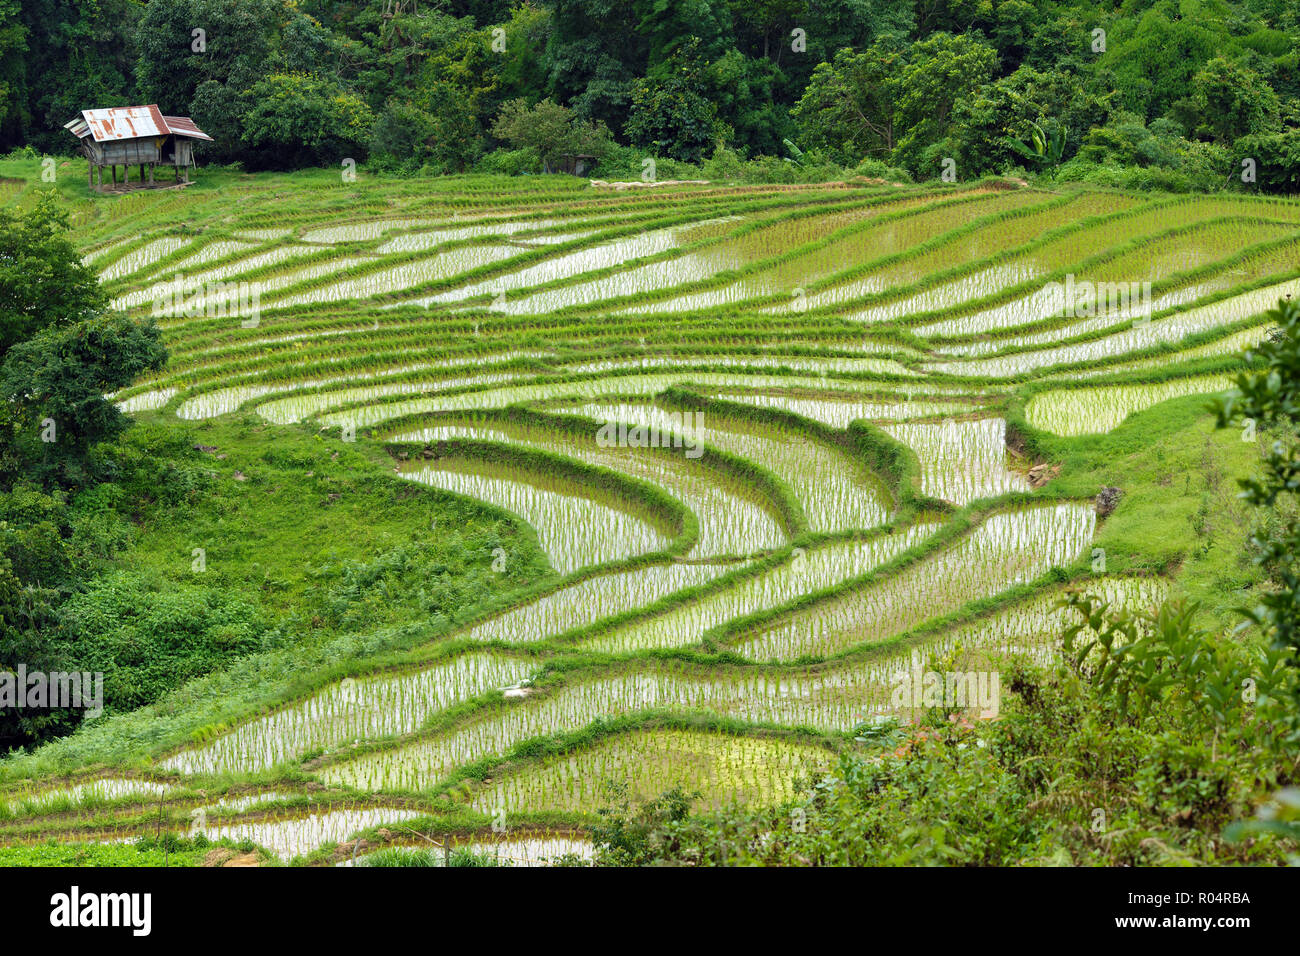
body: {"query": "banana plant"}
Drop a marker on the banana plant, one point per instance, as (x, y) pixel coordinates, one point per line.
(1046, 148)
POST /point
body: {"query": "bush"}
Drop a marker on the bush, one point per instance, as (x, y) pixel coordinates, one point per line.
(875, 169)
(1277, 160)
(1126, 177)
(552, 130)
(148, 641)
(510, 162)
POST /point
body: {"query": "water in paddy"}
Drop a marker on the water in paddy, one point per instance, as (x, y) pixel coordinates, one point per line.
(576, 526)
(839, 409)
(961, 460)
(643, 384)
(1087, 411)
(835, 491)
(733, 517)
(805, 571)
(593, 599)
(351, 710)
(1142, 334)
(992, 240)
(838, 697)
(798, 270)
(725, 770)
(1010, 547)
(296, 836)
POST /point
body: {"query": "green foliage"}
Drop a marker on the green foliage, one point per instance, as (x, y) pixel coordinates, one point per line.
(625, 837)
(1228, 101)
(414, 856)
(670, 115)
(43, 282)
(1165, 771)
(850, 78)
(850, 108)
(54, 384)
(147, 639)
(1045, 148)
(998, 114)
(299, 119)
(1276, 157)
(146, 851)
(941, 71)
(1269, 399)
(553, 131)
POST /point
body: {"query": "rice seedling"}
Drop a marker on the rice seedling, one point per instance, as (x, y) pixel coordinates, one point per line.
(724, 770)
(540, 850)
(1009, 548)
(1083, 411)
(291, 836)
(961, 460)
(37, 801)
(574, 529)
(807, 570)
(1227, 345)
(838, 410)
(379, 307)
(361, 230)
(350, 711)
(142, 257)
(1170, 329)
(650, 383)
(834, 699)
(734, 518)
(155, 398)
(836, 491)
(588, 601)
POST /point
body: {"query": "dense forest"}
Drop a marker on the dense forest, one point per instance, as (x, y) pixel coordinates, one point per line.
(1190, 95)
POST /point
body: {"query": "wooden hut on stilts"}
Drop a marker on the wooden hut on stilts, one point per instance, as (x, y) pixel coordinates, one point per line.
(141, 136)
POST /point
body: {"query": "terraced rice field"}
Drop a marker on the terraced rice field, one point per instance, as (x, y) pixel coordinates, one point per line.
(762, 435)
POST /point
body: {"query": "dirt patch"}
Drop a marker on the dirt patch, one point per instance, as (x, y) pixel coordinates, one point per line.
(641, 184)
(224, 856)
(1040, 475)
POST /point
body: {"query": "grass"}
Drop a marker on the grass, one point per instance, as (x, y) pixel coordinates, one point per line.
(304, 523)
(143, 853)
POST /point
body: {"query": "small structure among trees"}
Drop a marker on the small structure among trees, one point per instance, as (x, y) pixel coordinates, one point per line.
(135, 135)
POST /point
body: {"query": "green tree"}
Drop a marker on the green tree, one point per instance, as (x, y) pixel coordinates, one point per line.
(850, 108)
(940, 71)
(1228, 101)
(302, 119)
(553, 130)
(1007, 108)
(42, 279)
(1276, 157)
(239, 45)
(53, 386)
(71, 55)
(1153, 60)
(671, 115)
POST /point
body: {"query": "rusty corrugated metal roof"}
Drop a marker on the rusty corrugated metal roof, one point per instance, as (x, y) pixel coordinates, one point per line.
(184, 126)
(132, 122)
